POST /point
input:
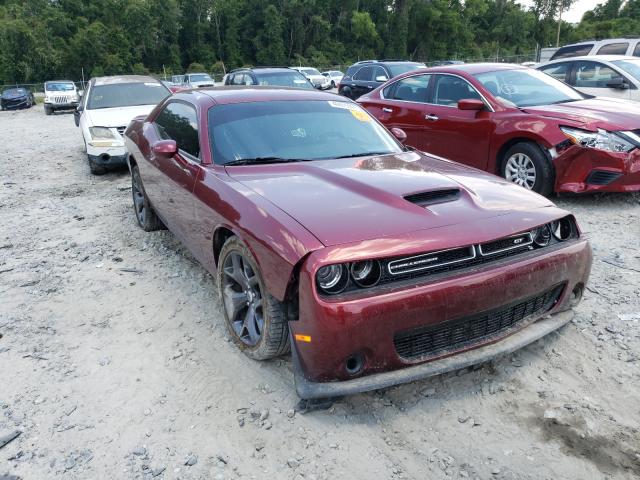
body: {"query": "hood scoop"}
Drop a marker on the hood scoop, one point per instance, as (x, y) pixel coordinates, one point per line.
(425, 199)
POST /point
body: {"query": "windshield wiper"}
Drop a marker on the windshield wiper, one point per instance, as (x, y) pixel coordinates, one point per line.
(363, 154)
(566, 101)
(264, 160)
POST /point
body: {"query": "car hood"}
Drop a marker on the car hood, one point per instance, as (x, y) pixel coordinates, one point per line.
(116, 117)
(350, 200)
(609, 114)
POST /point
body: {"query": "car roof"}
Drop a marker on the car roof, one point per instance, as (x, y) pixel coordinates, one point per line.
(60, 81)
(123, 79)
(262, 69)
(590, 58)
(197, 73)
(474, 68)
(240, 94)
(604, 40)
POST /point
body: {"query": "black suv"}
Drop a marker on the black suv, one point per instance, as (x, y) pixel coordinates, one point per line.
(362, 77)
(278, 76)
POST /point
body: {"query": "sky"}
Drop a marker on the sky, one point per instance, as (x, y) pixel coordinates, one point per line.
(576, 11)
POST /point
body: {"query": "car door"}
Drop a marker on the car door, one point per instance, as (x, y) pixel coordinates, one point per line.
(362, 81)
(402, 105)
(460, 135)
(176, 175)
(559, 71)
(596, 78)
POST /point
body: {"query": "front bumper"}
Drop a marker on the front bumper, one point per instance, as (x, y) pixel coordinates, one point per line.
(14, 103)
(583, 170)
(307, 389)
(366, 326)
(62, 106)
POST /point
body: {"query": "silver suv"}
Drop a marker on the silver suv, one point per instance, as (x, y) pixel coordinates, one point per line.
(611, 46)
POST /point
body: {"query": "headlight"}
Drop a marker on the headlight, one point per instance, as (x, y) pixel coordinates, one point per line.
(601, 140)
(541, 235)
(562, 229)
(101, 133)
(366, 274)
(332, 278)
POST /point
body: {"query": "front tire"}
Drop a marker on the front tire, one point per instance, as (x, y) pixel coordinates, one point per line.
(255, 320)
(95, 168)
(526, 165)
(145, 215)
(48, 110)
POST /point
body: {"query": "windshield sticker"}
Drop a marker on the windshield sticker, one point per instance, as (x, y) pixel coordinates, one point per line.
(298, 80)
(299, 132)
(360, 115)
(345, 105)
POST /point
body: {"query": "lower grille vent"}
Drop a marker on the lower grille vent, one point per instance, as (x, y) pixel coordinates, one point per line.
(432, 340)
(602, 177)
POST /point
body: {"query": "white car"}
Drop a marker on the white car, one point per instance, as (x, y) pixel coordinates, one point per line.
(107, 107)
(197, 80)
(614, 76)
(60, 95)
(335, 76)
(609, 46)
(315, 77)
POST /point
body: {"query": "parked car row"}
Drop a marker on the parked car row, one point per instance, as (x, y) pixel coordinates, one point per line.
(16, 98)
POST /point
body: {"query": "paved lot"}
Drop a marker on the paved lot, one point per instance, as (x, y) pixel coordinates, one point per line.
(113, 361)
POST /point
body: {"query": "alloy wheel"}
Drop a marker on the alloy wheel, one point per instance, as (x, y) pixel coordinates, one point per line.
(138, 200)
(521, 170)
(242, 298)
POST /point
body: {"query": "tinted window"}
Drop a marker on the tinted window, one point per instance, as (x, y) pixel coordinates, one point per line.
(594, 75)
(238, 79)
(286, 78)
(126, 95)
(313, 129)
(365, 74)
(59, 86)
(399, 68)
(380, 72)
(526, 87)
(200, 77)
(613, 49)
(178, 121)
(631, 66)
(410, 89)
(636, 51)
(573, 51)
(558, 70)
(449, 90)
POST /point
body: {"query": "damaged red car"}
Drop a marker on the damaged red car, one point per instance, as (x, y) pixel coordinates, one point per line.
(518, 123)
(375, 264)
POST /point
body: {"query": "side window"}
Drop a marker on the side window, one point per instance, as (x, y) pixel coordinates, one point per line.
(410, 89)
(365, 74)
(449, 90)
(594, 75)
(378, 73)
(636, 51)
(559, 71)
(613, 49)
(238, 79)
(178, 121)
(573, 51)
(229, 79)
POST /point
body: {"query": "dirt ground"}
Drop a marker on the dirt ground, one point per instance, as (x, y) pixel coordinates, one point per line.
(114, 364)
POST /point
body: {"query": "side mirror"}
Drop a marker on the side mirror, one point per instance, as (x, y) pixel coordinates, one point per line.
(76, 115)
(470, 104)
(165, 148)
(618, 83)
(381, 78)
(400, 134)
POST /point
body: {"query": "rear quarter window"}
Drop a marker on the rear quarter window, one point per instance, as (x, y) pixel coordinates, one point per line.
(573, 51)
(613, 49)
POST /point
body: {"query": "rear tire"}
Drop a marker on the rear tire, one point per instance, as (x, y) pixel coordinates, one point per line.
(145, 215)
(525, 164)
(255, 320)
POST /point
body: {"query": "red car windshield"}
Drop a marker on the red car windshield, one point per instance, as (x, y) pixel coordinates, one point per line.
(526, 88)
(309, 130)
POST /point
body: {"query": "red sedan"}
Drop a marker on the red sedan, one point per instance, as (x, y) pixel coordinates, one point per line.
(518, 123)
(375, 264)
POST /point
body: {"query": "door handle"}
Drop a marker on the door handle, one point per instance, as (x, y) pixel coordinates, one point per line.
(431, 118)
(388, 110)
(369, 86)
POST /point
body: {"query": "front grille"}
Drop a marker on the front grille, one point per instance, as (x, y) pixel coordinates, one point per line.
(60, 99)
(504, 244)
(424, 199)
(602, 177)
(432, 340)
(431, 260)
(121, 130)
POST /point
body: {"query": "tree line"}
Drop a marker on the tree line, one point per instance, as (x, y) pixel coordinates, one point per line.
(45, 39)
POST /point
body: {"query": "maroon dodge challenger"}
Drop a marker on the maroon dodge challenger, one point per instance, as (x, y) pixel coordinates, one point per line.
(375, 264)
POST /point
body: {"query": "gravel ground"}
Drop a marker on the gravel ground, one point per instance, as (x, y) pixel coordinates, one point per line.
(114, 364)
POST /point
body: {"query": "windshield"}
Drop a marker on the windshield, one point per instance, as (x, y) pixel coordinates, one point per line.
(525, 88)
(310, 71)
(398, 68)
(312, 130)
(126, 95)
(200, 77)
(632, 67)
(289, 78)
(14, 91)
(59, 86)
